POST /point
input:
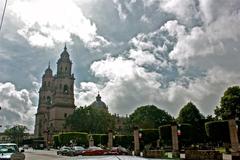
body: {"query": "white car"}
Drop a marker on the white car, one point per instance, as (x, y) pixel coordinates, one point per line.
(9, 151)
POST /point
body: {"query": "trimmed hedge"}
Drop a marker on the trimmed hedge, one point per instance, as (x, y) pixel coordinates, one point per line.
(187, 134)
(56, 142)
(218, 131)
(123, 140)
(185, 138)
(149, 135)
(165, 133)
(80, 138)
(100, 139)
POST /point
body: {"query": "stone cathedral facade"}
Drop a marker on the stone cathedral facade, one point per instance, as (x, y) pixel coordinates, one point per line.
(56, 99)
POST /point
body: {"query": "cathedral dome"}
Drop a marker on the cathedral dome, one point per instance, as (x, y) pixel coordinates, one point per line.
(99, 103)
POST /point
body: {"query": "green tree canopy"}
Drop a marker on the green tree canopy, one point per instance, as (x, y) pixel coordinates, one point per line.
(16, 133)
(91, 120)
(149, 116)
(191, 115)
(230, 104)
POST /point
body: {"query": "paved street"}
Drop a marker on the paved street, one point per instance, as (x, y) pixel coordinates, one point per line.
(51, 155)
(42, 155)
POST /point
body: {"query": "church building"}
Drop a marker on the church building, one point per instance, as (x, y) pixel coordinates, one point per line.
(56, 98)
(99, 104)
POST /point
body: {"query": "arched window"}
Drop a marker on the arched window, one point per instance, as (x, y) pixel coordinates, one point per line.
(65, 69)
(48, 84)
(49, 100)
(60, 86)
(65, 89)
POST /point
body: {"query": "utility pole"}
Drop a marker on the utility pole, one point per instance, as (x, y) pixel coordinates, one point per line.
(4, 9)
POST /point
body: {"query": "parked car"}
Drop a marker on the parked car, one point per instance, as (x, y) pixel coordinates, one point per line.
(118, 151)
(64, 151)
(25, 146)
(93, 151)
(10, 150)
(78, 150)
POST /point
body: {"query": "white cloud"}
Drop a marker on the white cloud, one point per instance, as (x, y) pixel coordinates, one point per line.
(112, 68)
(141, 57)
(145, 19)
(193, 56)
(119, 7)
(186, 10)
(86, 94)
(45, 23)
(17, 106)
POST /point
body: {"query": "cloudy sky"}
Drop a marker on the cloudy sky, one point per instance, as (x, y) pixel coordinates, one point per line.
(135, 52)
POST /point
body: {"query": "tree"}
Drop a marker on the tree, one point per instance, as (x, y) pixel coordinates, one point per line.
(16, 133)
(191, 115)
(91, 120)
(148, 116)
(229, 104)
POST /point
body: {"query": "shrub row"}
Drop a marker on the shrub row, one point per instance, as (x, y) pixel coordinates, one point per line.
(186, 134)
(216, 131)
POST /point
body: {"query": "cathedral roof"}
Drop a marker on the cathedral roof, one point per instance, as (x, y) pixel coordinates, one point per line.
(48, 71)
(64, 56)
(99, 103)
(65, 53)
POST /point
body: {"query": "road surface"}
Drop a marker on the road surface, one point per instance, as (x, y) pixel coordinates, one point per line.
(52, 155)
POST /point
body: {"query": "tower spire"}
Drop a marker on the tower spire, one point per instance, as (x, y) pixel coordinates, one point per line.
(65, 47)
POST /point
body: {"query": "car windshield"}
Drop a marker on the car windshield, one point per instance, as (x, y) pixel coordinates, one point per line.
(8, 148)
(65, 148)
(94, 148)
(78, 148)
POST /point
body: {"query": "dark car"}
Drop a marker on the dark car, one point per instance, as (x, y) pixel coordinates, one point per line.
(94, 151)
(77, 150)
(117, 151)
(65, 151)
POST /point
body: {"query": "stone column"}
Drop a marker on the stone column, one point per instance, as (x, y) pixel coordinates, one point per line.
(110, 139)
(91, 141)
(233, 135)
(136, 141)
(175, 146)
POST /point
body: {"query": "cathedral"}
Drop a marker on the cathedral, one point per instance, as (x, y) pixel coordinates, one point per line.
(56, 98)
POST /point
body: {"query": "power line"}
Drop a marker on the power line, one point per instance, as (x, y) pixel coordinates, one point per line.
(3, 14)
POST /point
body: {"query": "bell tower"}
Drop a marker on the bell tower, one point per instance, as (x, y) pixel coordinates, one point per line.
(56, 98)
(45, 102)
(64, 82)
(63, 94)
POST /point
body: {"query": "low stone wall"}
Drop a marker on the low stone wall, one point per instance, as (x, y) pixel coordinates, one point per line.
(202, 155)
(154, 153)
